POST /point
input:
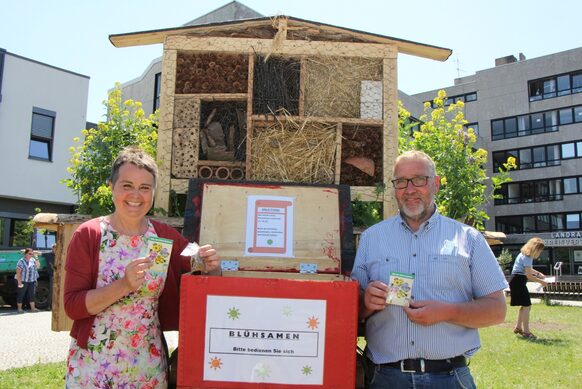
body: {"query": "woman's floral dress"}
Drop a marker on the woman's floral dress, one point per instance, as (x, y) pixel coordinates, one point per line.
(125, 346)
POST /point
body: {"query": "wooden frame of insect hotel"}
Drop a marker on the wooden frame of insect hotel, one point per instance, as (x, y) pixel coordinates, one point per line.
(278, 99)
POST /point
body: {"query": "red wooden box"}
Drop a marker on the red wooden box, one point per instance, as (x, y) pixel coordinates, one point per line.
(267, 333)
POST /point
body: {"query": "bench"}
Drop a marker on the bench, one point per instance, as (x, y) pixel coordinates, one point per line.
(565, 290)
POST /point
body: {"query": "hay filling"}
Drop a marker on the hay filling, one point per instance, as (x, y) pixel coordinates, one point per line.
(293, 151)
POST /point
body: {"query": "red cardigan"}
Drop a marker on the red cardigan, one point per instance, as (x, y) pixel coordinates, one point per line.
(82, 266)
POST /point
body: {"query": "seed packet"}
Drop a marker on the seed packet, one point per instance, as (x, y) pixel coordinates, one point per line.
(400, 289)
(192, 250)
(159, 251)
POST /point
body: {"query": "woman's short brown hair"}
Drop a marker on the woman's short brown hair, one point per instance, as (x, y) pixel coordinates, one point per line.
(137, 157)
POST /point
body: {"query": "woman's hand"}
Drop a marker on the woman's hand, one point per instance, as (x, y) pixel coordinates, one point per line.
(209, 258)
(135, 273)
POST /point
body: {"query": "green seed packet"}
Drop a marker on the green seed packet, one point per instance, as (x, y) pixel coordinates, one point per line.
(400, 289)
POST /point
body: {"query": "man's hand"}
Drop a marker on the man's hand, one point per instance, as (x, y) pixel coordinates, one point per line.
(426, 312)
(374, 298)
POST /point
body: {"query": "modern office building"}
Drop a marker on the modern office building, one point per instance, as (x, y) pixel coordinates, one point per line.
(42, 108)
(531, 109)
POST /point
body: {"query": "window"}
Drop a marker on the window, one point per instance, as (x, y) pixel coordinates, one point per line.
(566, 116)
(573, 221)
(537, 190)
(553, 155)
(467, 97)
(564, 85)
(534, 123)
(519, 224)
(560, 85)
(20, 234)
(474, 126)
(41, 134)
(157, 90)
(539, 156)
(568, 151)
(570, 185)
(471, 97)
(577, 82)
(525, 161)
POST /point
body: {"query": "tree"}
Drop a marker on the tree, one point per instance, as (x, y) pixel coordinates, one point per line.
(90, 162)
(464, 191)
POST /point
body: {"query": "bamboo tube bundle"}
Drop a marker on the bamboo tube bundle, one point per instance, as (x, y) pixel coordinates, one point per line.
(333, 84)
(211, 73)
(294, 151)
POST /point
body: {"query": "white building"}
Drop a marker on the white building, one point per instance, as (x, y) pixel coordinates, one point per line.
(42, 108)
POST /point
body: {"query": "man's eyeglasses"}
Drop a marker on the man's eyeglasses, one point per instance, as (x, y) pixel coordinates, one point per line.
(418, 181)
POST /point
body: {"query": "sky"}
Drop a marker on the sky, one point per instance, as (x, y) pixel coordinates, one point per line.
(74, 34)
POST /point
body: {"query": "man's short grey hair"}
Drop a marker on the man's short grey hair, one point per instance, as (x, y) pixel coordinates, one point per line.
(415, 155)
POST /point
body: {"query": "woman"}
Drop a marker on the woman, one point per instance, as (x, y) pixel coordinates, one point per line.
(118, 305)
(521, 273)
(26, 277)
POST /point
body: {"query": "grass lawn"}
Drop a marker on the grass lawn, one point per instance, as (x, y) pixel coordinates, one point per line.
(554, 360)
(506, 360)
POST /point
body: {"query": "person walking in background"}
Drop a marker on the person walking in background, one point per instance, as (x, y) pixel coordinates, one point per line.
(521, 273)
(118, 306)
(50, 269)
(458, 287)
(26, 277)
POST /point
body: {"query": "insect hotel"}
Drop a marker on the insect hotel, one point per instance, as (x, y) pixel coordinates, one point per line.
(271, 126)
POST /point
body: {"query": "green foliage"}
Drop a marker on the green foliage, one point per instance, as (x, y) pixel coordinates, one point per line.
(461, 166)
(504, 259)
(90, 162)
(368, 213)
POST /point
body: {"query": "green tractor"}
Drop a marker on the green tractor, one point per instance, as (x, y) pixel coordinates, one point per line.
(8, 287)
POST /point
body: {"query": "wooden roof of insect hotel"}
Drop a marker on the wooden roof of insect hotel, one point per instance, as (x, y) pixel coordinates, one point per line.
(287, 28)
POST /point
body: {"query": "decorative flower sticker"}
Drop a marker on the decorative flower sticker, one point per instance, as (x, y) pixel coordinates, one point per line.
(306, 370)
(233, 313)
(262, 370)
(287, 310)
(215, 363)
(313, 323)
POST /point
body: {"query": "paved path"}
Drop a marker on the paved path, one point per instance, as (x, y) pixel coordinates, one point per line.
(27, 339)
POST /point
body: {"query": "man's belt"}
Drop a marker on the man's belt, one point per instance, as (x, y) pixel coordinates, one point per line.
(428, 365)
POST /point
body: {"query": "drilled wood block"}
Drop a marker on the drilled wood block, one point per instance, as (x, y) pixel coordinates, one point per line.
(186, 113)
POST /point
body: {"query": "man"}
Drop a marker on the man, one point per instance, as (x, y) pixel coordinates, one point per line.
(457, 288)
(50, 268)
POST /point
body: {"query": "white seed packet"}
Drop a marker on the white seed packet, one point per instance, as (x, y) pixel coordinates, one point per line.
(400, 289)
(192, 250)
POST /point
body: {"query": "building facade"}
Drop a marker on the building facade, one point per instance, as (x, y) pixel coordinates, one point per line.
(42, 108)
(531, 109)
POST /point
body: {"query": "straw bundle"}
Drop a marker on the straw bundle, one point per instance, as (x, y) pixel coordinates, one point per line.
(333, 84)
(293, 151)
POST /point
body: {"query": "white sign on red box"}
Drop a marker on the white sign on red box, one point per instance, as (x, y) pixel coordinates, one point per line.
(264, 340)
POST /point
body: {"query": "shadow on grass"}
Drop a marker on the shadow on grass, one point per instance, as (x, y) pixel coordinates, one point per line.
(547, 341)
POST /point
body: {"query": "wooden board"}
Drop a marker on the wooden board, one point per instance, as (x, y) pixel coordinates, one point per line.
(60, 320)
(316, 227)
(216, 213)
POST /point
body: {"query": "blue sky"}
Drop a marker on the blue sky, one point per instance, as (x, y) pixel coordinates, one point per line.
(73, 34)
